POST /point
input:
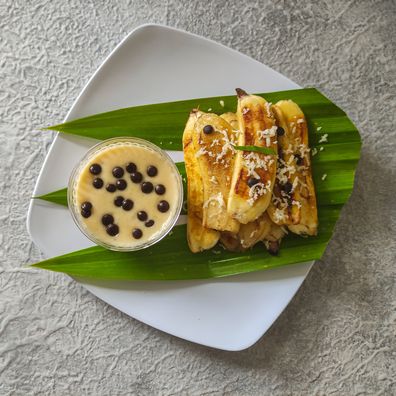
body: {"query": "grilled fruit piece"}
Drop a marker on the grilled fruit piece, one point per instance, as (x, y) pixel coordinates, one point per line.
(261, 229)
(199, 237)
(213, 140)
(293, 202)
(254, 173)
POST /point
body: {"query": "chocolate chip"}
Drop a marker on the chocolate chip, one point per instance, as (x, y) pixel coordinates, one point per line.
(97, 182)
(287, 187)
(280, 131)
(86, 205)
(121, 184)
(111, 187)
(118, 201)
(152, 171)
(149, 223)
(137, 233)
(136, 177)
(163, 206)
(118, 172)
(252, 181)
(131, 167)
(142, 215)
(112, 229)
(299, 159)
(127, 204)
(208, 129)
(95, 169)
(107, 219)
(160, 189)
(85, 213)
(147, 187)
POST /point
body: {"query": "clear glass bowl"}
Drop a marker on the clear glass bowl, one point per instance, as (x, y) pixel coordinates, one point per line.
(93, 152)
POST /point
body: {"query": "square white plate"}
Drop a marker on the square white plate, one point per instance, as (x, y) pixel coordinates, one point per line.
(159, 64)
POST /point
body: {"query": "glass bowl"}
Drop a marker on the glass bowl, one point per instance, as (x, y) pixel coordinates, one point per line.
(88, 158)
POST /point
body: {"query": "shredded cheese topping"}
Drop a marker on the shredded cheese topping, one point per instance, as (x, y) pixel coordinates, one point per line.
(217, 198)
(257, 191)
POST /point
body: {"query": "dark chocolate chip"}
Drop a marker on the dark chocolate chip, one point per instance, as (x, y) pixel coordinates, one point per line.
(118, 201)
(147, 187)
(131, 167)
(149, 223)
(97, 182)
(112, 229)
(127, 204)
(287, 187)
(95, 169)
(121, 184)
(142, 215)
(107, 219)
(299, 159)
(137, 233)
(152, 171)
(111, 187)
(160, 189)
(136, 177)
(85, 213)
(86, 205)
(163, 206)
(280, 131)
(208, 129)
(252, 181)
(118, 172)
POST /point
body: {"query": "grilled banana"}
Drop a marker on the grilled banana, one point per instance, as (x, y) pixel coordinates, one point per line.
(261, 229)
(254, 173)
(199, 237)
(213, 140)
(293, 202)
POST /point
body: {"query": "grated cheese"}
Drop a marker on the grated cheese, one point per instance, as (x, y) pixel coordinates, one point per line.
(298, 204)
(318, 128)
(321, 148)
(213, 180)
(245, 110)
(314, 151)
(258, 190)
(221, 103)
(215, 198)
(210, 109)
(279, 215)
(324, 176)
(323, 138)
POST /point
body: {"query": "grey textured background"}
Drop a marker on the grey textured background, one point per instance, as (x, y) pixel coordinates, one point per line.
(338, 334)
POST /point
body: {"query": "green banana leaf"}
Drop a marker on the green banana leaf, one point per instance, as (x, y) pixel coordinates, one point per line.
(333, 170)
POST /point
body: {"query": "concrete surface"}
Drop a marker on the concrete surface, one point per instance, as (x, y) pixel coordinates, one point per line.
(338, 334)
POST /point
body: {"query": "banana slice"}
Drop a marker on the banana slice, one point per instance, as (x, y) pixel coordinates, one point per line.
(213, 140)
(293, 202)
(254, 173)
(199, 237)
(261, 229)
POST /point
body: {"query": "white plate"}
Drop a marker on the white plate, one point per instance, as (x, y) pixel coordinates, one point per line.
(159, 64)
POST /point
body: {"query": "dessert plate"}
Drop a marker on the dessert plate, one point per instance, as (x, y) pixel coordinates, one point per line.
(159, 64)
